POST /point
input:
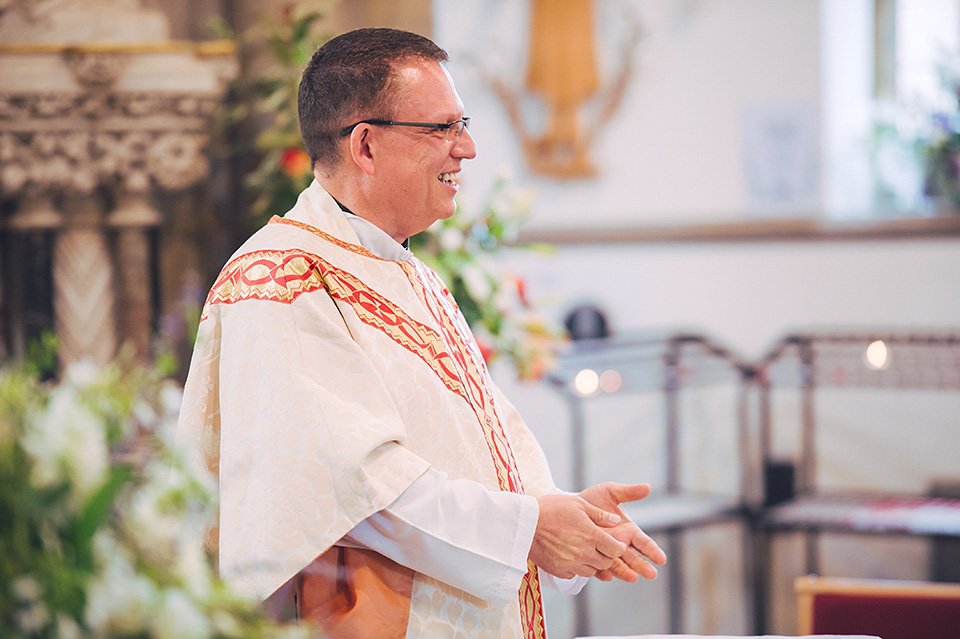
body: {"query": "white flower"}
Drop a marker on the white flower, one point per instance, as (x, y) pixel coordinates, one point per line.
(450, 239)
(507, 299)
(171, 396)
(153, 523)
(193, 568)
(118, 599)
(67, 628)
(33, 618)
(81, 374)
(68, 441)
(224, 623)
(476, 281)
(179, 618)
(26, 588)
(145, 415)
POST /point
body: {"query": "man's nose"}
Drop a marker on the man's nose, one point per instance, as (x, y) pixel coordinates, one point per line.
(465, 147)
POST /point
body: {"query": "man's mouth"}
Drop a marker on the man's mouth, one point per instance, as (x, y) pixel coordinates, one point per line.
(450, 179)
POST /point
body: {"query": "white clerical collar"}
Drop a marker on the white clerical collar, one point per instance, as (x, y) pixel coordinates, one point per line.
(375, 240)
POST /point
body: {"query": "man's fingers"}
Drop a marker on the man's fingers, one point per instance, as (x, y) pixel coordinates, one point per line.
(602, 517)
(649, 548)
(638, 564)
(609, 546)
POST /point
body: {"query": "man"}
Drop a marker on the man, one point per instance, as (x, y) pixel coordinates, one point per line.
(371, 474)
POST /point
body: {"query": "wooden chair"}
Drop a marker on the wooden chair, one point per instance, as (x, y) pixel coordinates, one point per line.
(890, 609)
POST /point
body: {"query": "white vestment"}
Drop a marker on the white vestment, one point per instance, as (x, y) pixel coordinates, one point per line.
(325, 382)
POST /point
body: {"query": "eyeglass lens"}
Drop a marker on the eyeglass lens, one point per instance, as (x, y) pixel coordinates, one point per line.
(456, 130)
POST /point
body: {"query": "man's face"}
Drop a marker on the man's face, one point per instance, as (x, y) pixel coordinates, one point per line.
(417, 170)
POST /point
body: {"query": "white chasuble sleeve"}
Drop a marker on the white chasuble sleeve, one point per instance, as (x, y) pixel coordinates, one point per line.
(310, 441)
(458, 532)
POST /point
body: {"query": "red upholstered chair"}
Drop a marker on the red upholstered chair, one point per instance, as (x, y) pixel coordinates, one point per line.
(886, 608)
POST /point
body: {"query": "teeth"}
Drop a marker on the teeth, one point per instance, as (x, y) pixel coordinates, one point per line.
(448, 178)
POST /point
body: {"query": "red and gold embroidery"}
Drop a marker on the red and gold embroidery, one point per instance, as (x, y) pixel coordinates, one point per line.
(284, 275)
(472, 371)
(280, 276)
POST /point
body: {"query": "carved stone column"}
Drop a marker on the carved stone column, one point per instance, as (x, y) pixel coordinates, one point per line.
(83, 281)
(100, 113)
(132, 219)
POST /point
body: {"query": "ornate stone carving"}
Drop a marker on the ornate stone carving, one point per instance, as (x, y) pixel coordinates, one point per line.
(94, 71)
(70, 143)
(99, 112)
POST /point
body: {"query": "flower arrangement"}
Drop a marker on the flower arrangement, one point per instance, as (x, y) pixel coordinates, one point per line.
(942, 166)
(461, 249)
(917, 149)
(464, 250)
(101, 519)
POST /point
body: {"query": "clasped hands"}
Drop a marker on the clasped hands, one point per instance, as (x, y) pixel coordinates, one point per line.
(590, 535)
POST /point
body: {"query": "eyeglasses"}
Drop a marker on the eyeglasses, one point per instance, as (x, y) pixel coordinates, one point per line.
(452, 130)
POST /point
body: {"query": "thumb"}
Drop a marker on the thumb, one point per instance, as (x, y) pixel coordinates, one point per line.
(624, 493)
(602, 517)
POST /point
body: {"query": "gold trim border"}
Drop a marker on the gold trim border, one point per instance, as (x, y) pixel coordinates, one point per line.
(204, 48)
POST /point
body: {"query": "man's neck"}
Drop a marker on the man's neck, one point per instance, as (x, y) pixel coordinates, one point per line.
(350, 196)
(405, 243)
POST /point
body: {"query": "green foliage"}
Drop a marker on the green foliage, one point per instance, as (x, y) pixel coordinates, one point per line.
(101, 519)
(283, 169)
(41, 358)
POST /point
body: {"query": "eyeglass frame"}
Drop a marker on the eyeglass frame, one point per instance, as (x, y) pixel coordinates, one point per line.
(437, 126)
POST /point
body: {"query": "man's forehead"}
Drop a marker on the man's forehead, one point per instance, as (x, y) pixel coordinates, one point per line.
(427, 83)
(414, 70)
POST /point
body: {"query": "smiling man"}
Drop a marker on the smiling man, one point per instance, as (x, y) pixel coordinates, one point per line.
(373, 479)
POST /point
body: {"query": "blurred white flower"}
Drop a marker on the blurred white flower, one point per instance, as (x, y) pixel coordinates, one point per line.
(68, 442)
(521, 201)
(192, 566)
(507, 298)
(171, 396)
(67, 628)
(33, 618)
(81, 374)
(118, 599)
(180, 618)
(224, 624)
(25, 589)
(476, 281)
(145, 415)
(153, 524)
(450, 239)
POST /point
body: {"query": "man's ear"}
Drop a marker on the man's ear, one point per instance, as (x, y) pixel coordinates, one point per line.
(361, 148)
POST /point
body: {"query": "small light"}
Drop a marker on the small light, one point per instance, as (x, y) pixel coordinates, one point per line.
(610, 381)
(877, 356)
(586, 382)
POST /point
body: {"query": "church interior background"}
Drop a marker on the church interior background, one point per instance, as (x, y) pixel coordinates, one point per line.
(709, 175)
